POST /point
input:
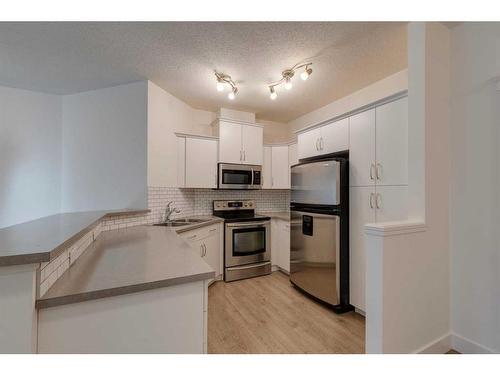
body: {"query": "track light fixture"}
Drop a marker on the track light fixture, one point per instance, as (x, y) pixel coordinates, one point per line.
(287, 75)
(222, 81)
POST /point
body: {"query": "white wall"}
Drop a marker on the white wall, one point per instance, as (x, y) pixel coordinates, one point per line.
(277, 132)
(105, 149)
(379, 90)
(475, 182)
(408, 269)
(30, 155)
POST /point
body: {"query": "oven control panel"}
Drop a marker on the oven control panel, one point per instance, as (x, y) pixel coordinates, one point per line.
(234, 205)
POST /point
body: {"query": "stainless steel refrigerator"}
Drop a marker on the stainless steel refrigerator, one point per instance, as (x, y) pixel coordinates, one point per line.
(319, 235)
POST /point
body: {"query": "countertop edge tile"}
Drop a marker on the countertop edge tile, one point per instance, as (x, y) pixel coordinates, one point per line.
(120, 291)
(25, 257)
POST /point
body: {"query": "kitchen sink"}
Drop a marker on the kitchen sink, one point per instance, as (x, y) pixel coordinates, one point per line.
(181, 222)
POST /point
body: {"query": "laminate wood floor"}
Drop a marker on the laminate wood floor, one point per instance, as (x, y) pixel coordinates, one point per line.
(268, 315)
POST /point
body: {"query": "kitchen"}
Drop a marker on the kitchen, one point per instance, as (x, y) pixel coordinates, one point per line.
(224, 214)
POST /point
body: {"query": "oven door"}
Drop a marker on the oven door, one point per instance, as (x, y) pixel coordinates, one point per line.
(247, 243)
(237, 176)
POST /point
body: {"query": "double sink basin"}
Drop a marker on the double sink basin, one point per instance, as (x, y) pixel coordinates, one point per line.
(181, 222)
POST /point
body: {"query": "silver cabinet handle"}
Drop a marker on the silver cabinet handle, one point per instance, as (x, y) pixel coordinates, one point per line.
(317, 142)
(371, 171)
(377, 204)
(371, 199)
(204, 250)
(201, 249)
(377, 173)
(321, 143)
(191, 237)
(213, 230)
(244, 155)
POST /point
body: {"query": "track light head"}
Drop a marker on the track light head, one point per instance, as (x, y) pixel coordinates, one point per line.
(288, 83)
(306, 73)
(220, 85)
(232, 94)
(273, 94)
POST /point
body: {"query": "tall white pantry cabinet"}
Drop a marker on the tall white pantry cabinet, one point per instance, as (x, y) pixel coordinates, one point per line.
(378, 179)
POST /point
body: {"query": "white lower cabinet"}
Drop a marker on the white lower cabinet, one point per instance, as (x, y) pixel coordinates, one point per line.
(207, 242)
(368, 204)
(280, 244)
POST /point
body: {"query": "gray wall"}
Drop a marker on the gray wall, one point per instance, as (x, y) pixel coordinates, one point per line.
(475, 183)
(30, 155)
(105, 149)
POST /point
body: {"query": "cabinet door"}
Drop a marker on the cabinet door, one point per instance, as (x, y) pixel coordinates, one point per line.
(267, 182)
(360, 213)
(362, 149)
(293, 156)
(230, 150)
(308, 143)
(335, 137)
(284, 254)
(181, 162)
(391, 203)
(253, 143)
(280, 168)
(201, 163)
(275, 242)
(392, 143)
(212, 251)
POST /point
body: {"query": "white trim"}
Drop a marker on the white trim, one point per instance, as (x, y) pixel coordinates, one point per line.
(217, 119)
(439, 346)
(185, 135)
(377, 103)
(395, 228)
(466, 346)
(277, 144)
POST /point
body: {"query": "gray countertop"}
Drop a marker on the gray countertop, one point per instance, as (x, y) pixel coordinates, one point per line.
(43, 239)
(129, 260)
(282, 215)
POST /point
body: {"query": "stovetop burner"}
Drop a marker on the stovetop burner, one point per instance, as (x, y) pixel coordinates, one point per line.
(237, 211)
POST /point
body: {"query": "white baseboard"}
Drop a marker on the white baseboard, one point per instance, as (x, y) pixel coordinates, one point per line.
(439, 346)
(466, 346)
(455, 342)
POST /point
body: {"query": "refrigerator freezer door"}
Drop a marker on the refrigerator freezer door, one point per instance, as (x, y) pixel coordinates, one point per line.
(316, 183)
(314, 254)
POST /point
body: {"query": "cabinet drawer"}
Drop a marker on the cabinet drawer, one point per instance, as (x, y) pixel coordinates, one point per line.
(200, 233)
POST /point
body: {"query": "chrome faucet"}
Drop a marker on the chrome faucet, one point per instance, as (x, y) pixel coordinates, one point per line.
(169, 211)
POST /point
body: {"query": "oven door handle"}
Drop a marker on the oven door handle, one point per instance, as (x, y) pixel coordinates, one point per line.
(250, 224)
(234, 268)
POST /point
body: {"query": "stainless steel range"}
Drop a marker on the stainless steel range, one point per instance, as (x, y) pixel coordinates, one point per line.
(247, 239)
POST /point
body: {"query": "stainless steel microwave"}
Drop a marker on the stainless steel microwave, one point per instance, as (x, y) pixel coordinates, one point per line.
(239, 176)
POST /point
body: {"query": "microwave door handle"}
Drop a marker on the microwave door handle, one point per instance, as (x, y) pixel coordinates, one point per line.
(252, 177)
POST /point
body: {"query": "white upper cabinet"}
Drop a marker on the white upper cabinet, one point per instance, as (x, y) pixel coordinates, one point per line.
(308, 143)
(362, 149)
(276, 169)
(230, 143)
(333, 137)
(201, 163)
(392, 143)
(293, 156)
(267, 175)
(252, 144)
(196, 162)
(280, 167)
(240, 143)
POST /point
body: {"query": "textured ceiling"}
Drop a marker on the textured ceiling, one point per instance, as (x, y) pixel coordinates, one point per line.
(180, 57)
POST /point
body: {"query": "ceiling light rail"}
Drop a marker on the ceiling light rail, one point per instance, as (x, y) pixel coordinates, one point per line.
(287, 75)
(222, 81)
